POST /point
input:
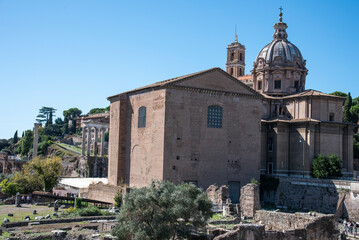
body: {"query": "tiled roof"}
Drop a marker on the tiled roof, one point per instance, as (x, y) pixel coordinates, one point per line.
(245, 77)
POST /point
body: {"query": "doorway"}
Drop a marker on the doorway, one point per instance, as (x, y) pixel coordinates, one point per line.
(234, 191)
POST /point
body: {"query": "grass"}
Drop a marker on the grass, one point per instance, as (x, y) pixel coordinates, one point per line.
(19, 216)
(70, 147)
(4, 235)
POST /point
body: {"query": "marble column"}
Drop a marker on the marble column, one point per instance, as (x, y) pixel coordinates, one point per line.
(95, 142)
(102, 142)
(83, 141)
(88, 141)
(36, 140)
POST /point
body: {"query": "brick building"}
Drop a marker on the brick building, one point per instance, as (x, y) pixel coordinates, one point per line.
(226, 128)
(202, 128)
(297, 124)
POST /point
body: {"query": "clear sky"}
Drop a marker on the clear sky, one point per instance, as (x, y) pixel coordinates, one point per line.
(66, 53)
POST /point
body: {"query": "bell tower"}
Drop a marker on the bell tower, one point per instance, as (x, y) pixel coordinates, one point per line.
(236, 59)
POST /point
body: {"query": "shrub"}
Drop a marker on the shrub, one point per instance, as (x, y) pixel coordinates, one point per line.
(326, 166)
(118, 199)
(254, 181)
(78, 202)
(162, 211)
(90, 211)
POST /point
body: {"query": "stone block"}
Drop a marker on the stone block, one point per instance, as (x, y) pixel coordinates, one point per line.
(249, 200)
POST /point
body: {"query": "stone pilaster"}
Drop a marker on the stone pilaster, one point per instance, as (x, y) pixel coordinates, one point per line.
(95, 141)
(83, 141)
(88, 141)
(102, 142)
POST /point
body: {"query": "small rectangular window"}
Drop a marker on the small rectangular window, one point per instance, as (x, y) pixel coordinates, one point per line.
(142, 117)
(259, 85)
(296, 84)
(331, 117)
(270, 145)
(277, 84)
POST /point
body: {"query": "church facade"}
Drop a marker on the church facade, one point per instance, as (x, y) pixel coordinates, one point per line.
(297, 124)
(217, 127)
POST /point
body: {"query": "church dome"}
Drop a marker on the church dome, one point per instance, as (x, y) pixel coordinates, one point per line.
(279, 69)
(280, 48)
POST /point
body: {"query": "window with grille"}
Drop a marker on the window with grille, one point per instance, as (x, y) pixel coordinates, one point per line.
(214, 117)
(142, 117)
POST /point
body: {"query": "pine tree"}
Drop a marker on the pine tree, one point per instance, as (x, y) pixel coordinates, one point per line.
(347, 116)
(16, 139)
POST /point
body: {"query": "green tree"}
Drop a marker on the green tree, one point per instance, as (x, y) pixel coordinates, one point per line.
(4, 144)
(326, 167)
(25, 144)
(162, 211)
(354, 111)
(356, 146)
(16, 138)
(71, 115)
(347, 116)
(37, 174)
(44, 115)
(9, 187)
(338, 93)
(99, 110)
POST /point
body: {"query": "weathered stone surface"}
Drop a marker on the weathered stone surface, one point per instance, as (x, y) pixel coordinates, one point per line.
(285, 226)
(245, 231)
(59, 234)
(317, 226)
(218, 195)
(249, 200)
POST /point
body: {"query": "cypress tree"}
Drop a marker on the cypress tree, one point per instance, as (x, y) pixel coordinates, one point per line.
(347, 116)
(16, 139)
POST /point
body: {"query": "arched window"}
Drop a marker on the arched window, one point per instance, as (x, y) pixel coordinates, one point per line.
(240, 57)
(142, 117)
(214, 117)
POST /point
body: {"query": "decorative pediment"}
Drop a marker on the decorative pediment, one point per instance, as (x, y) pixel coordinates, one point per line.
(216, 80)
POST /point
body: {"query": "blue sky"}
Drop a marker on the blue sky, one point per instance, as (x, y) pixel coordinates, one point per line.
(69, 53)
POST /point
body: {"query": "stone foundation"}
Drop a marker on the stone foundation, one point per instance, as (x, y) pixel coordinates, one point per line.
(285, 226)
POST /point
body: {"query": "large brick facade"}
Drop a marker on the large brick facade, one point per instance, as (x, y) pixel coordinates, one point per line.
(177, 143)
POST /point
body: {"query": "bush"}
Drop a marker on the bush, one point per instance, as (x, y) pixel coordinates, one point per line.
(254, 181)
(327, 166)
(118, 199)
(9, 187)
(78, 202)
(90, 211)
(162, 211)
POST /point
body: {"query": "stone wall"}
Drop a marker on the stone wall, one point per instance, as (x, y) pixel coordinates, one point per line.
(249, 200)
(284, 226)
(196, 153)
(321, 195)
(218, 195)
(102, 192)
